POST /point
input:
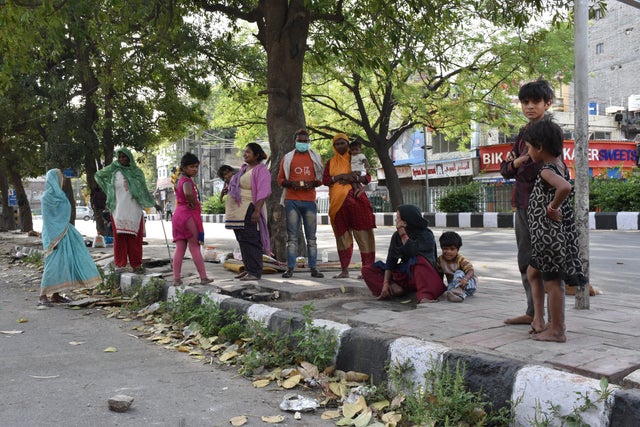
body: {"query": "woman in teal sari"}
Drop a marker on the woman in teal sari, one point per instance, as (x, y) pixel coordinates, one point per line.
(67, 262)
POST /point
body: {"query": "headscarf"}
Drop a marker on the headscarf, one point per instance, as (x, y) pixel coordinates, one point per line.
(338, 164)
(413, 217)
(135, 180)
(421, 241)
(56, 211)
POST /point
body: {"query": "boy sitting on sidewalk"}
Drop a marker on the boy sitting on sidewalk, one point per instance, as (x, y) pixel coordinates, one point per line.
(461, 279)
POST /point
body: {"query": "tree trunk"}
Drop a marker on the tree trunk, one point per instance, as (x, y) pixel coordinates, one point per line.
(24, 210)
(391, 179)
(67, 188)
(7, 221)
(285, 39)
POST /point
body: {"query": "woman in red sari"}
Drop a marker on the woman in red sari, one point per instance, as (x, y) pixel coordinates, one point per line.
(351, 216)
(410, 261)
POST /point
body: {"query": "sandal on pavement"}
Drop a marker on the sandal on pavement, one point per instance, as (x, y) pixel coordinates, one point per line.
(205, 281)
(241, 275)
(248, 277)
(59, 299)
(44, 302)
(287, 274)
(316, 273)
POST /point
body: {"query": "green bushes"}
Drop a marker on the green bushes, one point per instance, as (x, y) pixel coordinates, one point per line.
(213, 205)
(445, 399)
(461, 198)
(615, 195)
(259, 347)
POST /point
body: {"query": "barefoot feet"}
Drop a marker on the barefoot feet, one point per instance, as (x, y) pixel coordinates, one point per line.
(525, 319)
(549, 335)
(342, 275)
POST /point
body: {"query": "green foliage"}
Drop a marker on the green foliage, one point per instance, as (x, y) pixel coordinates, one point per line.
(35, 259)
(267, 348)
(615, 195)
(231, 332)
(445, 400)
(144, 295)
(312, 344)
(110, 283)
(188, 308)
(463, 198)
(213, 205)
(262, 347)
(575, 418)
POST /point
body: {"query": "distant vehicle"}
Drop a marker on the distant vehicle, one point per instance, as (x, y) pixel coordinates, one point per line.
(84, 212)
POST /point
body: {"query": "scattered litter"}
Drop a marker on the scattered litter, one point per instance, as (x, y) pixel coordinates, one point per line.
(239, 421)
(98, 241)
(295, 402)
(11, 332)
(44, 377)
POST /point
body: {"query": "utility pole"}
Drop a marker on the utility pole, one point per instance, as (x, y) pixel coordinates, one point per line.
(425, 147)
(581, 11)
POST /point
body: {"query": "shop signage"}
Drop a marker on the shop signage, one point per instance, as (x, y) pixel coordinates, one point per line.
(444, 169)
(602, 155)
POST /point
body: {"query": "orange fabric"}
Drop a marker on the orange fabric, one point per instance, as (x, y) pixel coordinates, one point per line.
(301, 170)
(338, 164)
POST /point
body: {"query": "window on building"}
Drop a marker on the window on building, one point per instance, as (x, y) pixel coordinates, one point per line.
(599, 48)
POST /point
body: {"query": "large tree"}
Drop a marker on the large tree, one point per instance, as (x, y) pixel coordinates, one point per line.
(125, 73)
(283, 32)
(287, 29)
(439, 77)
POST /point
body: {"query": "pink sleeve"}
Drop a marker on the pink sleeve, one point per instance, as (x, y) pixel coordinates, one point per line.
(261, 182)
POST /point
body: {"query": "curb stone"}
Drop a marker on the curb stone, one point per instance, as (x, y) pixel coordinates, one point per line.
(539, 391)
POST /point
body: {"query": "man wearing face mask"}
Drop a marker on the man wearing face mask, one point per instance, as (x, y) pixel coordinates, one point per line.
(300, 173)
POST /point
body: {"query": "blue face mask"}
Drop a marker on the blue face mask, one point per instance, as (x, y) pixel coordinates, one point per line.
(302, 147)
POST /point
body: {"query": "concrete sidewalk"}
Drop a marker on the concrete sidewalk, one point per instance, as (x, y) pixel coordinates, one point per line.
(500, 359)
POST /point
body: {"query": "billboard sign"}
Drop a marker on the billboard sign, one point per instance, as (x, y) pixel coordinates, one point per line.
(602, 155)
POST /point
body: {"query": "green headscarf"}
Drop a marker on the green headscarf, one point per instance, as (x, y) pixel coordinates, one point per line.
(135, 180)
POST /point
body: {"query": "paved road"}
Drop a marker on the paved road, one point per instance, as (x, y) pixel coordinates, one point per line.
(56, 372)
(602, 341)
(613, 254)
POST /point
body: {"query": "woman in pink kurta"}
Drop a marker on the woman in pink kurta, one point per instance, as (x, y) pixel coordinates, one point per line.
(187, 221)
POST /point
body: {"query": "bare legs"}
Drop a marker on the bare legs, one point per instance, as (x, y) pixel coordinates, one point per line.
(555, 331)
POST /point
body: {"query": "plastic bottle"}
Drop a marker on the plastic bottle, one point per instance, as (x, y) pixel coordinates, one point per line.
(325, 256)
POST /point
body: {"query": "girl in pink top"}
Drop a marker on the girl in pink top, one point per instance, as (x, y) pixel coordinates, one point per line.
(187, 220)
